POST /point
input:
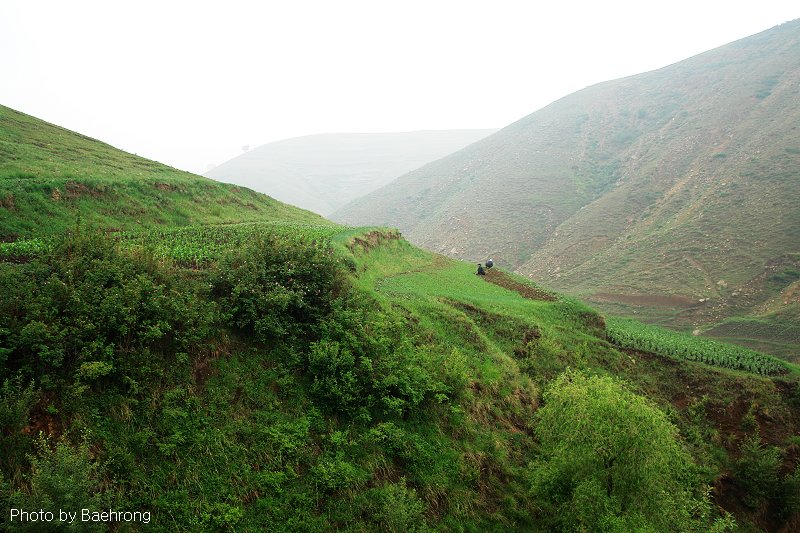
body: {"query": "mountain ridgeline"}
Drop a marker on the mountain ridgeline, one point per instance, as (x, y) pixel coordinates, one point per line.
(671, 186)
(324, 172)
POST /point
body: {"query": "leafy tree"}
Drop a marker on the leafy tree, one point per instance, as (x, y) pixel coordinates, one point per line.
(611, 461)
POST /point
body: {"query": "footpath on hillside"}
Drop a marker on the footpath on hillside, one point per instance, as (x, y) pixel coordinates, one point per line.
(502, 279)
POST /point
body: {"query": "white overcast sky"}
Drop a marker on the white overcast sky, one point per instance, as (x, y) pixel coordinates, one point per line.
(190, 83)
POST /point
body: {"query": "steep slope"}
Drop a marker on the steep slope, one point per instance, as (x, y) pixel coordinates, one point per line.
(681, 182)
(50, 177)
(324, 172)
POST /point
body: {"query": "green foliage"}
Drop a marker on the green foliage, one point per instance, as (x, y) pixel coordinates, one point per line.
(757, 470)
(16, 402)
(277, 289)
(24, 248)
(63, 476)
(88, 315)
(270, 386)
(789, 496)
(394, 508)
(610, 461)
(632, 334)
(199, 246)
(367, 363)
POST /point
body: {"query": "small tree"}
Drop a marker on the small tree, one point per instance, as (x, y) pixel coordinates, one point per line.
(611, 462)
(757, 470)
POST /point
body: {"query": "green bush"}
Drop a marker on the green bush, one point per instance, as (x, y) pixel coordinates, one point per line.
(276, 288)
(757, 470)
(63, 477)
(367, 363)
(88, 315)
(611, 461)
(16, 402)
(393, 508)
(338, 383)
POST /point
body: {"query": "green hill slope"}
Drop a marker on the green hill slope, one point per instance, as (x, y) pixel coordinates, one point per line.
(309, 382)
(286, 375)
(325, 172)
(50, 176)
(675, 185)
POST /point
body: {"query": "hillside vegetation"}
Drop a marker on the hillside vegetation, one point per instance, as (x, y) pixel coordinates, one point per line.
(284, 375)
(50, 177)
(324, 172)
(646, 194)
(320, 380)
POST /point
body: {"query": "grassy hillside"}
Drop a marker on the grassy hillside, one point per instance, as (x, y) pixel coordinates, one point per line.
(647, 194)
(323, 379)
(50, 177)
(324, 172)
(284, 375)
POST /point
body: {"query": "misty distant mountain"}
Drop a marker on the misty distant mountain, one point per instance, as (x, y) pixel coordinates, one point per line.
(324, 172)
(675, 192)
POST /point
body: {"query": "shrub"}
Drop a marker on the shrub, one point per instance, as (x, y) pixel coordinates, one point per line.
(89, 315)
(63, 477)
(16, 402)
(757, 470)
(394, 508)
(276, 288)
(611, 461)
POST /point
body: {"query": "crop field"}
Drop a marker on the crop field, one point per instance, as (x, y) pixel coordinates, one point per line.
(191, 246)
(197, 246)
(632, 334)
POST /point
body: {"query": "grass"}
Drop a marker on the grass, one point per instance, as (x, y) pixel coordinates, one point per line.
(51, 177)
(232, 436)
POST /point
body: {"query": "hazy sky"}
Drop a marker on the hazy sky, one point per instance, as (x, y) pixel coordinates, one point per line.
(190, 83)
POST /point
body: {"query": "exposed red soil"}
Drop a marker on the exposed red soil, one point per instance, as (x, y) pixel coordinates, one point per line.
(502, 279)
(645, 300)
(76, 190)
(8, 202)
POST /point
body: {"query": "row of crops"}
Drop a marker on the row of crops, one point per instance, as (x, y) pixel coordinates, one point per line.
(194, 246)
(199, 245)
(635, 335)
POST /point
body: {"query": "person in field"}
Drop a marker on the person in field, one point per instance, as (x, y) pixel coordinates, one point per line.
(481, 271)
(489, 263)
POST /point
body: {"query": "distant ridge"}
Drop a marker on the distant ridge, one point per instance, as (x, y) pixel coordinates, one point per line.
(324, 172)
(680, 182)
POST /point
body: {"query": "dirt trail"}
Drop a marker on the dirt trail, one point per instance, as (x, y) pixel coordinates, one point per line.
(526, 291)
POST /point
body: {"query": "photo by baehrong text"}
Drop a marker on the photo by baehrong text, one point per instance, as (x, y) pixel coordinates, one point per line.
(83, 515)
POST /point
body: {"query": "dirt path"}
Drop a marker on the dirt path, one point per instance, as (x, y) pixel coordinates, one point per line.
(526, 291)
